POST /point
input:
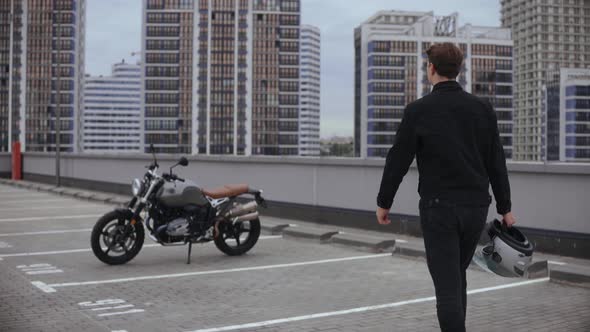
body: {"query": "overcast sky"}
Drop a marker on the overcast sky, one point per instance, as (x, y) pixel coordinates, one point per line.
(113, 31)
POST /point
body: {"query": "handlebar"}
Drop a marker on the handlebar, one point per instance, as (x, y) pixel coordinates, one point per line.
(172, 177)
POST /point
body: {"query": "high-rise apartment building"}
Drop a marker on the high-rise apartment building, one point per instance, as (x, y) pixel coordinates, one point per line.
(567, 120)
(42, 44)
(219, 76)
(309, 91)
(11, 37)
(390, 72)
(548, 35)
(112, 111)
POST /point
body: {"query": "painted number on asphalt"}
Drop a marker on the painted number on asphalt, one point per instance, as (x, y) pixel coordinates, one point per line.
(109, 307)
(42, 268)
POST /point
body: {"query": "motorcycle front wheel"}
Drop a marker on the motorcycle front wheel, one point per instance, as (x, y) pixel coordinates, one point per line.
(114, 240)
(237, 239)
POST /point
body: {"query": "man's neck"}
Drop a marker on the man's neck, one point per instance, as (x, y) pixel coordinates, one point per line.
(439, 79)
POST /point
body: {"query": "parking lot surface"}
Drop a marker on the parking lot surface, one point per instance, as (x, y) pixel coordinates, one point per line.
(51, 281)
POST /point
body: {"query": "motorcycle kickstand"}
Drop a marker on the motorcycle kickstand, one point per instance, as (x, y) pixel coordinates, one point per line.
(190, 247)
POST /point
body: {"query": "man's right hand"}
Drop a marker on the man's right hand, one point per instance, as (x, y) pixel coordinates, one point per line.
(509, 219)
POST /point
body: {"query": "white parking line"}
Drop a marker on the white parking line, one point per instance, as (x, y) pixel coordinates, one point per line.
(40, 268)
(53, 207)
(132, 311)
(556, 263)
(111, 308)
(360, 309)
(37, 201)
(55, 252)
(69, 251)
(50, 288)
(24, 195)
(104, 305)
(61, 231)
(50, 218)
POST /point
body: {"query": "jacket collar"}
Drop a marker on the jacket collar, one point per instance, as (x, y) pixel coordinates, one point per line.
(447, 86)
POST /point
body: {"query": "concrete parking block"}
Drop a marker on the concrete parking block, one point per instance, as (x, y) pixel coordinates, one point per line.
(310, 233)
(410, 250)
(22, 184)
(98, 197)
(372, 243)
(273, 228)
(120, 200)
(539, 269)
(58, 190)
(43, 187)
(84, 195)
(71, 192)
(571, 274)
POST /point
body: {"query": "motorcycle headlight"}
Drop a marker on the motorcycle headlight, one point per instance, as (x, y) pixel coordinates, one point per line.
(136, 187)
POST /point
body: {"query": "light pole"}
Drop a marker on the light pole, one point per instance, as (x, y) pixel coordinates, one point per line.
(57, 100)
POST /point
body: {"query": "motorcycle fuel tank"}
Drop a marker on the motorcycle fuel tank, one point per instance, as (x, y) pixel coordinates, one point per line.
(179, 194)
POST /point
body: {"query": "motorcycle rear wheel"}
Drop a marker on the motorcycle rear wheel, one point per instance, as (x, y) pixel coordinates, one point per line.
(238, 239)
(109, 242)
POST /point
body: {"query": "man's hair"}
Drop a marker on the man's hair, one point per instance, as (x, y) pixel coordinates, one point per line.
(447, 59)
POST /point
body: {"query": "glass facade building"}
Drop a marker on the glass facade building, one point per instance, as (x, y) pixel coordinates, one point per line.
(112, 111)
(568, 115)
(215, 74)
(390, 72)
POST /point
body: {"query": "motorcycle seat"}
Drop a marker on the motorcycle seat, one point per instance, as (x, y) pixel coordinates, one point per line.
(228, 190)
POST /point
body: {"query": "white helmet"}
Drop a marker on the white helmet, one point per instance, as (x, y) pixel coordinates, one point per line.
(509, 253)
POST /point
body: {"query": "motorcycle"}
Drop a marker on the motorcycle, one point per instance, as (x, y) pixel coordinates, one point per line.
(178, 212)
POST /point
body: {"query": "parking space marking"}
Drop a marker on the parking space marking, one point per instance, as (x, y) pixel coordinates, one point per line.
(69, 251)
(50, 288)
(50, 218)
(23, 197)
(43, 253)
(40, 268)
(61, 231)
(4, 245)
(104, 305)
(52, 207)
(37, 201)
(556, 263)
(360, 309)
(132, 311)
(110, 308)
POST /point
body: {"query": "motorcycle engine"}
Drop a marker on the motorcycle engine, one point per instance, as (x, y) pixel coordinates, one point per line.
(178, 227)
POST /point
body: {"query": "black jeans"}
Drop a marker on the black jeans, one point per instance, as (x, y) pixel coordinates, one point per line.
(451, 232)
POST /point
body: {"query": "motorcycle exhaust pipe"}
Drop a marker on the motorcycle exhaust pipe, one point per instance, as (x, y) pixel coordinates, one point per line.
(242, 209)
(247, 217)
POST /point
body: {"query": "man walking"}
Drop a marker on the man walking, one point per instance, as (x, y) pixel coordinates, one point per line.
(454, 136)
